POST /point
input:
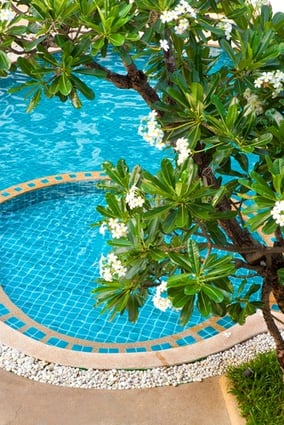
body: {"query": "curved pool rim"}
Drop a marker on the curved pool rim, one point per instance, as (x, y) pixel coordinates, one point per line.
(60, 348)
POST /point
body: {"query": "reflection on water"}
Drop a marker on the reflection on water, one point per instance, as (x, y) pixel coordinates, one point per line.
(56, 138)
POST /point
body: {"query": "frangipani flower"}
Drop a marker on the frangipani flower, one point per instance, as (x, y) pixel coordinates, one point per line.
(182, 149)
(277, 213)
(133, 198)
(117, 229)
(161, 302)
(151, 130)
(111, 267)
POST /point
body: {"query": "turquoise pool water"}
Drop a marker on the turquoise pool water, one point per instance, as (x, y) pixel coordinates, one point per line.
(49, 262)
(56, 138)
(49, 253)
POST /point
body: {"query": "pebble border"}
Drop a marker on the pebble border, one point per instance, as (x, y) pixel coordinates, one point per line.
(16, 362)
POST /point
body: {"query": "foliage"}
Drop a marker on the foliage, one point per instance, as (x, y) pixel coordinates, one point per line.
(258, 388)
(212, 215)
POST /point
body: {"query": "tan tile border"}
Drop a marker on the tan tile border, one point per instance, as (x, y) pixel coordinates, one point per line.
(173, 356)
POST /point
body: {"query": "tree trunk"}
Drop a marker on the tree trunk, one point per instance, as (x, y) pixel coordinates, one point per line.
(270, 323)
(134, 79)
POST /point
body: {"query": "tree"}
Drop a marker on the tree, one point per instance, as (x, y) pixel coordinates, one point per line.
(212, 215)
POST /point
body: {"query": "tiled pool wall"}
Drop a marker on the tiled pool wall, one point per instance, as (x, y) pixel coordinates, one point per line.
(15, 318)
(56, 180)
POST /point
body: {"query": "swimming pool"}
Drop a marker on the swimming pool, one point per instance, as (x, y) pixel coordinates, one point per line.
(49, 253)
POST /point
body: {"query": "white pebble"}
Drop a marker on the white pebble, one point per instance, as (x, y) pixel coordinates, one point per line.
(214, 365)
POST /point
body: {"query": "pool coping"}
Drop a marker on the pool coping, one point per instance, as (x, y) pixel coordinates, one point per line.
(174, 356)
(110, 357)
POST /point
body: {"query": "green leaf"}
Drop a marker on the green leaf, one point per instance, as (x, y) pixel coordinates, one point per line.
(116, 39)
(34, 101)
(280, 273)
(203, 304)
(232, 114)
(192, 288)
(64, 85)
(270, 227)
(4, 61)
(113, 174)
(181, 261)
(167, 172)
(213, 293)
(229, 50)
(187, 311)
(82, 87)
(100, 73)
(113, 204)
(182, 217)
(132, 308)
(76, 102)
(194, 256)
(258, 220)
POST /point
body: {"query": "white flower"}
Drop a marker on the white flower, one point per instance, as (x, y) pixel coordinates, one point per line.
(151, 131)
(168, 16)
(182, 149)
(133, 198)
(152, 115)
(103, 228)
(111, 267)
(254, 104)
(274, 79)
(182, 27)
(159, 301)
(226, 26)
(182, 8)
(164, 45)
(6, 15)
(257, 4)
(117, 228)
(277, 213)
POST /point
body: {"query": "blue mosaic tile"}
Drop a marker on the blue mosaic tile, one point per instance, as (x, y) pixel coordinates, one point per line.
(15, 323)
(164, 346)
(136, 350)
(34, 333)
(44, 180)
(31, 184)
(3, 310)
(207, 332)
(57, 342)
(77, 347)
(187, 340)
(18, 189)
(275, 307)
(5, 194)
(108, 350)
(226, 322)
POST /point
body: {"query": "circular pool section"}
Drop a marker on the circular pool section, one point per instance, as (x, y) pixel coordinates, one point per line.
(49, 263)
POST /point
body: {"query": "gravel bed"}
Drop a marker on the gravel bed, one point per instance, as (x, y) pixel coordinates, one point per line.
(16, 362)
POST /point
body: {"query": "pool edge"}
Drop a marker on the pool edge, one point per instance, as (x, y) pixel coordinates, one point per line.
(224, 340)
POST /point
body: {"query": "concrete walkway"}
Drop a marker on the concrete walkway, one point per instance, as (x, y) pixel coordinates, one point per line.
(24, 402)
